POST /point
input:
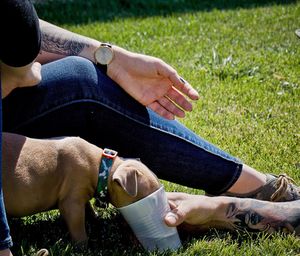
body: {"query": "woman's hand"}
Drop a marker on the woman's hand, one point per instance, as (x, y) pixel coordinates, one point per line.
(14, 77)
(152, 82)
(192, 209)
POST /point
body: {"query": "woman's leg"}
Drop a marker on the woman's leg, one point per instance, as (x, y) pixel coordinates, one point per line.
(76, 99)
(249, 180)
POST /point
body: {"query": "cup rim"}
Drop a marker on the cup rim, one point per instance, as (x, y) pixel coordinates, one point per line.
(142, 199)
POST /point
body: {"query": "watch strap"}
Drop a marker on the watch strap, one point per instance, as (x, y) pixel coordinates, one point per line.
(103, 68)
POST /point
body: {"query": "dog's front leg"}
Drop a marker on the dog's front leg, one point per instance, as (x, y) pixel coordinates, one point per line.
(74, 214)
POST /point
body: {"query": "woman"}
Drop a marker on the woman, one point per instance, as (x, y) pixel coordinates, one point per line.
(19, 24)
(126, 101)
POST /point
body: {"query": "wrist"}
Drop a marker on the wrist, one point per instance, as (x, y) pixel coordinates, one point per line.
(89, 51)
(220, 208)
(120, 62)
(105, 55)
(202, 210)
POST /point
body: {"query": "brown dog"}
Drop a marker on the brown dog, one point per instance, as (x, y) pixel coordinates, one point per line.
(62, 173)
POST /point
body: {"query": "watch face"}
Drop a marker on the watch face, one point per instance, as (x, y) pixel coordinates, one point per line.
(104, 55)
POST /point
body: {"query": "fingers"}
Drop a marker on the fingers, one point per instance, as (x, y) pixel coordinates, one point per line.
(176, 97)
(181, 84)
(172, 105)
(175, 217)
(179, 211)
(159, 109)
(167, 103)
(172, 204)
(177, 102)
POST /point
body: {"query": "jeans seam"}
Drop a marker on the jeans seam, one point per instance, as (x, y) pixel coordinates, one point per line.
(190, 140)
(160, 128)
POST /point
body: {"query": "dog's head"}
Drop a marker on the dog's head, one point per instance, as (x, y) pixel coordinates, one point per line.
(131, 181)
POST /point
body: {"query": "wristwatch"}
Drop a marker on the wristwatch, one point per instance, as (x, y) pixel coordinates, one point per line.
(103, 56)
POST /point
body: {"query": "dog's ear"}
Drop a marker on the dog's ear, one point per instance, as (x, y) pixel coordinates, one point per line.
(127, 178)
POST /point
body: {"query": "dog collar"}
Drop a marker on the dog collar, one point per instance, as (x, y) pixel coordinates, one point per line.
(107, 159)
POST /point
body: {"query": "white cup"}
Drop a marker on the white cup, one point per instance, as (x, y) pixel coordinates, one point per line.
(146, 219)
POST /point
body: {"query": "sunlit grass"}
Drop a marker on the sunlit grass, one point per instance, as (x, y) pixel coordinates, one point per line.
(245, 62)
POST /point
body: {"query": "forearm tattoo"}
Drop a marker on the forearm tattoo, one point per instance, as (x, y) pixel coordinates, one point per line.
(62, 42)
(254, 216)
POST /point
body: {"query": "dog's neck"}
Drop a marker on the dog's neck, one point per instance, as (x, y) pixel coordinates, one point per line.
(105, 171)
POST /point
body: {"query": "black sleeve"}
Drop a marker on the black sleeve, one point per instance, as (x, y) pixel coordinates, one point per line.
(20, 32)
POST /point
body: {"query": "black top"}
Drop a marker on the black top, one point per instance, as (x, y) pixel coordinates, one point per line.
(20, 32)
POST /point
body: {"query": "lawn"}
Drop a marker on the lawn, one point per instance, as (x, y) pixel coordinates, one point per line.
(244, 59)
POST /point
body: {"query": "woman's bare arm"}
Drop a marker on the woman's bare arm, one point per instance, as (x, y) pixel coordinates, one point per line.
(255, 215)
(203, 212)
(149, 80)
(58, 43)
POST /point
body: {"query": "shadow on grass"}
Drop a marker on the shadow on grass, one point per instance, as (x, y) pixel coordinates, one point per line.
(48, 230)
(82, 11)
(108, 235)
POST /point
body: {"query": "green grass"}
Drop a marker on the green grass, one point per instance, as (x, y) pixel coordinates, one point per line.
(244, 59)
